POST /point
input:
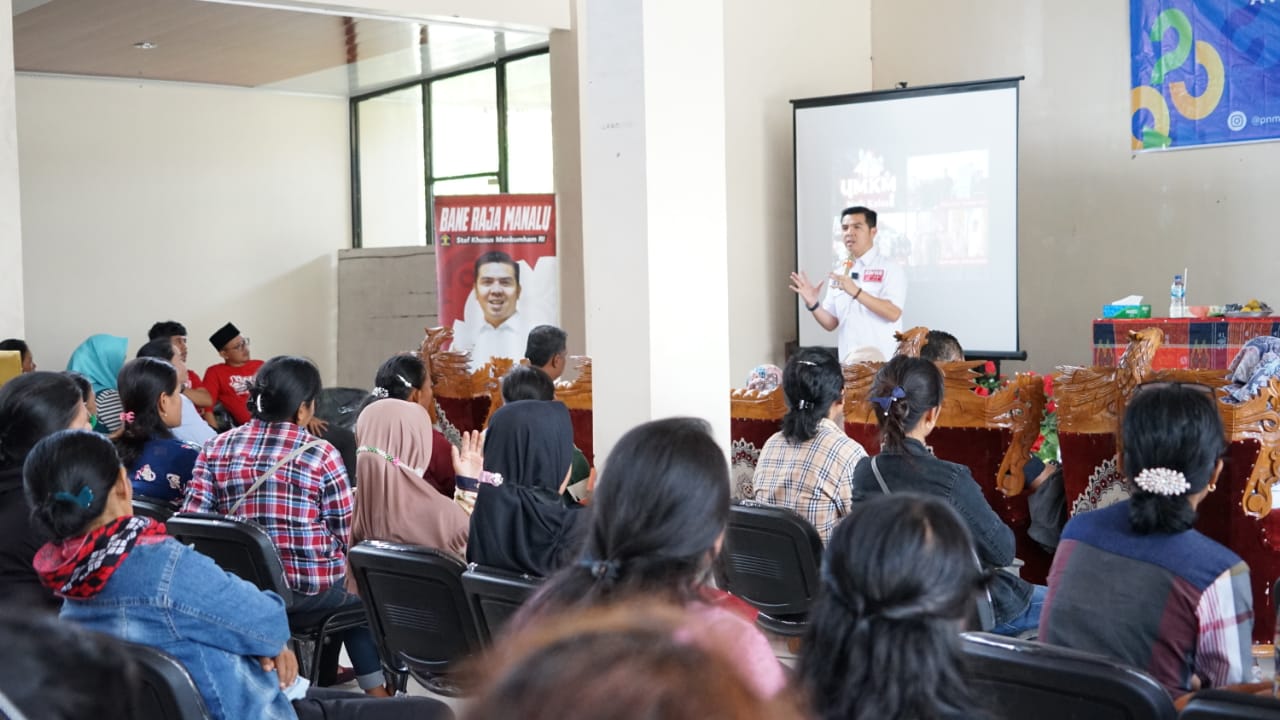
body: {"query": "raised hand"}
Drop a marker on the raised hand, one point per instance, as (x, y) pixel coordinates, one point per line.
(801, 286)
(468, 459)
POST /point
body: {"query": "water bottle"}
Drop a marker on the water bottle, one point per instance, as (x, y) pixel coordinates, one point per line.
(1177, 298)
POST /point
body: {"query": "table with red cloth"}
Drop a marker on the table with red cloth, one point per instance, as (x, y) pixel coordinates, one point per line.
(1189, 343)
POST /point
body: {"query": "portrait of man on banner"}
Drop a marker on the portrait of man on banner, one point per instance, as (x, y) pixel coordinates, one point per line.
(497, 270)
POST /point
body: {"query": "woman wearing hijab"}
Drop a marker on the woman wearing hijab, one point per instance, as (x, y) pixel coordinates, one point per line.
(99, 359)
(393, 501)
(522, 525)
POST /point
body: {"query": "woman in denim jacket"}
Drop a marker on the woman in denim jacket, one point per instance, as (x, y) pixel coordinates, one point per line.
(907, 395)
(122, 575)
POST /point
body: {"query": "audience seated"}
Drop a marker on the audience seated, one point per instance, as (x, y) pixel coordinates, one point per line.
(120, 574)
(1134, 581)
(547, 350)
(392, 502)
(193, 387)
(883, 643)
(625, 663)
(907, 394)
(193, 428)
(523, 525)
(525, 382)
(808, 466)
(158, 464)
(24, 351)
(99, 360)
(228, 381)
(940, 347)
(31, 407)
(273, 472)
(654, 528)
(405, 377)
(55, 670)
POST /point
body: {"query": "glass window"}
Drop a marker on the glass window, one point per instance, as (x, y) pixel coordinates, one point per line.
(464, 124)
(529, 158)
(393, 208)
(483, 185)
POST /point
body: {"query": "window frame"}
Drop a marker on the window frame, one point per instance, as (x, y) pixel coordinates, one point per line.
(499, 65)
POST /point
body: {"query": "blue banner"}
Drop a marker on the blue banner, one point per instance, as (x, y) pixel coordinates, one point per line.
(1204, 72)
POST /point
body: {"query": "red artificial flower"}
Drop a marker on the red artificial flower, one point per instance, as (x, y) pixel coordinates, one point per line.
(1039, 443)
(1048, 384)
(989, 368)
(982, 391)
(1051, 406)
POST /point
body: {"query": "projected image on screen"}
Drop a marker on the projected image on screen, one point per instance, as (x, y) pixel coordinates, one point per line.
(940, 169)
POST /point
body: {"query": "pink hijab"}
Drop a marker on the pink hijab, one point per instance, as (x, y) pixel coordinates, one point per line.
(393, 502)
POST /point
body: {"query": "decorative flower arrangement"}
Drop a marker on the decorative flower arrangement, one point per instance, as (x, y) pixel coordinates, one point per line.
(1046, 445)
(988, 382)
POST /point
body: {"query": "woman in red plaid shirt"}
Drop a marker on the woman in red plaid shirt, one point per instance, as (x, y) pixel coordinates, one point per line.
(304, 505)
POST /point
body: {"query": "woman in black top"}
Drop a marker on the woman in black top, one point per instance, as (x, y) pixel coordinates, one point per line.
(907, 395)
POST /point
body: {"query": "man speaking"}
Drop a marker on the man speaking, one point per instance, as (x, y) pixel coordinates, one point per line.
(865, 303)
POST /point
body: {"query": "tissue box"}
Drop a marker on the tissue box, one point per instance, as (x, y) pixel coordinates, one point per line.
(1126, 311)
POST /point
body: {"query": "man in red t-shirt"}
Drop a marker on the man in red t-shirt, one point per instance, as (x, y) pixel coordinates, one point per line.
(228, 382)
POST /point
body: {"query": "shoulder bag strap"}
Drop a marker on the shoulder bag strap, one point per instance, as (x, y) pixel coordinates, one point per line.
(263, 477)
(879, 477)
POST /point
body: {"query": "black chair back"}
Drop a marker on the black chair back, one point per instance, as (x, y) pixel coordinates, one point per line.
(1227, 705)
(154, 509)
(1026, 679)
(166, 690)
(418, 610)
(238, 546)
(770, 559)
(495, 595)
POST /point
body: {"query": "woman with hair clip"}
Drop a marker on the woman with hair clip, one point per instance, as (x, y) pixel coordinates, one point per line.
(32, 406)
(907, 395)
(272, 471)
(121, 574)
(883, 641)
(654, 526)
(1135, 581)
(405, 377)
(808, 467)
(159, 465)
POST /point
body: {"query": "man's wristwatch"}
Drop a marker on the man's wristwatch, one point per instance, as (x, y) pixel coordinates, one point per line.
(812, 307)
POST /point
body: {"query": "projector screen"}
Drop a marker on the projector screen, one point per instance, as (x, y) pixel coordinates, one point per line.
(939, 164)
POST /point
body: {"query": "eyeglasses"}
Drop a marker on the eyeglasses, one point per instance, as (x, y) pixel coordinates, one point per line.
(244, 343)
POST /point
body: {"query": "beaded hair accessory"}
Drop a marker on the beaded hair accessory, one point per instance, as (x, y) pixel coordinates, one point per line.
(402, 380)
(1162, 481)
(885, 402)
(379, 392)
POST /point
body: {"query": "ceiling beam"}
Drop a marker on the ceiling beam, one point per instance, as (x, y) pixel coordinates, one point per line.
(521, 15)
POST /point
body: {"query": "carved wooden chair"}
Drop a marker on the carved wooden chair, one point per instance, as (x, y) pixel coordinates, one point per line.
(754, 417)
(1091, 402)
(464, 399)
(577, 396)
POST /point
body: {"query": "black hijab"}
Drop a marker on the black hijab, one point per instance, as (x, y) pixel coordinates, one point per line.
(523, 525)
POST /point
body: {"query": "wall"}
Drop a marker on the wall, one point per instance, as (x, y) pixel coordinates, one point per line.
(1095, 222)
(386, 300)
(815, 48)
(150, 201)
(11, 320)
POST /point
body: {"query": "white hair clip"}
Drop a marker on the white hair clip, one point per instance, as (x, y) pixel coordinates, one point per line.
(1162, 481)
(379, 392)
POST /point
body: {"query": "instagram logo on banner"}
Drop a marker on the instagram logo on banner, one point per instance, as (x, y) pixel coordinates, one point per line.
(1236, 121)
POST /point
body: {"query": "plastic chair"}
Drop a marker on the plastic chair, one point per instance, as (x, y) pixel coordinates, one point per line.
(418, 611)
(156, 510)
(1227, 705)
(242, 547)
(166, 690)
(771, 559)
(495, 595)
(1026, 679)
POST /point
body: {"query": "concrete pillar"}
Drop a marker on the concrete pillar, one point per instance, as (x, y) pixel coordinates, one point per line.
(11, 304)
(654, 218)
